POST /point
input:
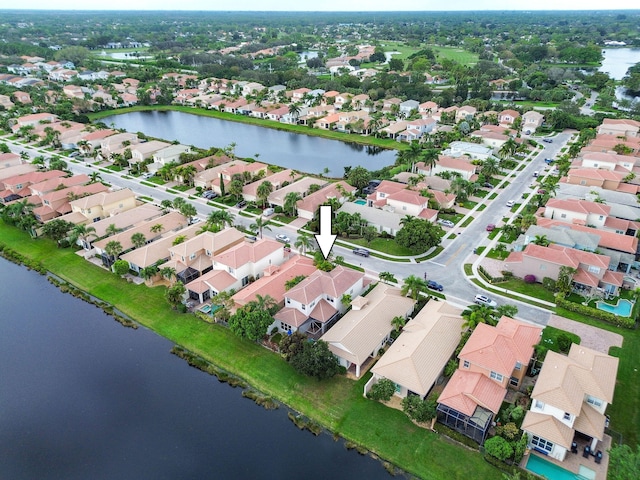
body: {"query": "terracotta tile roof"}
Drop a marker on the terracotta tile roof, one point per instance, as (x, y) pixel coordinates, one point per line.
(103, 198)
(245, 252)
(590, 422)
(52, 184)
(612, 240)
(158, 250)
(499, 348)
(291, 316)
(218, 280)
(420, 353)
(334, 283)
(549, 428)
(465, 391)
(565, 256)
(32, 177)
(323, 311)
(579, 206)
(311, 202)
(585, 278)
(613, 278)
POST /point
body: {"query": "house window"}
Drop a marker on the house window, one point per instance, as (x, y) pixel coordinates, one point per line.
(566, 416)
(245, 281)
(541, 443)
(404, 207)
(543, 266)
(583, 182)
(120, 206)
(595, 165)
(518, 366)
(593, 269)
(496, 376)
(465, 364)
(288, 301)
(208, 252)
(600, 217)
(330, 299)
(192, 256)
(304, 307)
(563, 215)
(514, 381)
(284, 327)
(596, 402)
(539, 405)
(231, 270)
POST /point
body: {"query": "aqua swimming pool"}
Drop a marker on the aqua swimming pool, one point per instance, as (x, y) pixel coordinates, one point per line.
(549, 470)
(622, 308)
(360, 202)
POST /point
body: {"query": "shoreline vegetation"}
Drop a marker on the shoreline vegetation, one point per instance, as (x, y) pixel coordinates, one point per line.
(336, 405)
(367, 140)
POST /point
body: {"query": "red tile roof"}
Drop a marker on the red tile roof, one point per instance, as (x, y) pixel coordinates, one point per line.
(466, 390)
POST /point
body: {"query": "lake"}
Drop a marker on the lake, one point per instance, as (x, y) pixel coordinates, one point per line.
(276, 147)
(82, 397)
(617, 61)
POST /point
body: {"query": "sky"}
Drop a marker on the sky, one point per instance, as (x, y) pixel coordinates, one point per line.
(325, 5)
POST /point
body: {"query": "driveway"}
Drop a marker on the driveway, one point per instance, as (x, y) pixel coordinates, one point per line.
(591, 337)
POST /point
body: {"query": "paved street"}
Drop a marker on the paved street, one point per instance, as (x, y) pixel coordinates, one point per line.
(447, 268)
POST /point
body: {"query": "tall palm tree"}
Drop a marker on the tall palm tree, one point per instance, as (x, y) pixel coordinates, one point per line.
(138, 239)
(95, 177)
(490, 168)
(83, 233)
(476, 314)
(541, 240)
(221, 218)
(260, 224)
(149, 272)
(111, 230)
(398, 322)
(508, 148)
(411, 155)
(157, 228)
(304, 243)
(291, 200)
(113, 249)
(168, 273)
(430, 157)
(413, 286)
(266, 302)
(263, 191)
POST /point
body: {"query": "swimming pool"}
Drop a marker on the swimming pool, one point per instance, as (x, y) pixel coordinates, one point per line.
(360, 202)
(209, 309)
(549, 470)
(622, 308)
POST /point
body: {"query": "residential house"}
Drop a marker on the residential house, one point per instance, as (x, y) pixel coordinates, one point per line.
(415, 129)
(595, 177)
(9, 160)
(341, 100)
(105, 204)
(619, 127)
(472, 150)
(235, 268)
(314, 305)
(328, 122)
(6, 103)
(57, 183)
(382, 220)
(22, 97)
(408, 107)
(194, 257)
(171, 222)
(395, 197)
(277, 180)
(360, 334)
(308, 206)
(531, 121)
(448, 164)
(569, 401)
(494, 358)
(417, 358)
(394, 129)
(352, 121)
(146, 150)
(490, 138)
(33, 119)
(116, 142)
(428, 108)
(17, 186)
(57, 202)
(508, 117)
(466, 113)
(584, 212)
(592, 274)
(16, 170)
(273, 281)
(170, 154)
(609, 161)
(301, 187)
(609, 143)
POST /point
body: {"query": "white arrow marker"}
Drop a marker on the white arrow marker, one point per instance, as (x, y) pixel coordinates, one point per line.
(325, 239)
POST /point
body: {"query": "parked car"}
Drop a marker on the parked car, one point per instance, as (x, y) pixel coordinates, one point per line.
(548, 161)
(491, 227)
(251, 238)
(511, 203)
(547, 140)
(241, 204)
(434, 285)
(535, 174)
(484, 300)
(281, 237)
(147, 175)
(487, 185)
(267, 212)
(363, 252)
(446, 223)
(74, 154)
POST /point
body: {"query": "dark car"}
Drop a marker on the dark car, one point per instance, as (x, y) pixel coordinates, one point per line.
(241, 204)
(548, 161)
(434, 285)
(487, 185)
(547, 140)
(363, 252)
(491, 227)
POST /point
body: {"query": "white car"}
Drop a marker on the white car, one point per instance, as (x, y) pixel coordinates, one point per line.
(446, 223)
(484, 300)
(511, 203)
(281, 237)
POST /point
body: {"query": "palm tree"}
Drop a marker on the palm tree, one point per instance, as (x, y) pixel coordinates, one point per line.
(413, 287)
(149, 272)
(113, 249)
(220, 218)
(508, 148)
(411, 155)
(291, 200)
(95, 177)
(266, 302)
(398, 322)
(82, 232)
(260, 224)
(387, 277)
(111, 230)
(541, 240)
(169, 273)
(303, 243)
(476, 314)
(294, 111)
(430, 158)
(263, 191)
(157, 228)
(490, 168)
(138, 239)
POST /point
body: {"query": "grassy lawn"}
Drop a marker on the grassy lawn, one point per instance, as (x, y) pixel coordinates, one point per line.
(467, 222)
(384, 245)
(337, 403)
(456, 54)
(157, 180)
(284, 219)
(148, 184)
(114, 168)
(550, 338)
(535, 290)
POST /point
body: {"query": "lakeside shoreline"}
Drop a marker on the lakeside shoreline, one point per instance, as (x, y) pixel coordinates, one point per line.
(336, 404)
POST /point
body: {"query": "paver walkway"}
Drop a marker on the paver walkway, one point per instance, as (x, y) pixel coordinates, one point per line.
(591, 337)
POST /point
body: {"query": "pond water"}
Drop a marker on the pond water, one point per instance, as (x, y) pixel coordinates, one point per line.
(617, 61)
(82, 397)
(290, 150)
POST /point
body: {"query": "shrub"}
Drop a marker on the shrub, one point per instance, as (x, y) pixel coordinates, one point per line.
(517, 414)
(549, 284)
(450, 368)
(594, 312)
(529, 279)
(508, 431)
(564, 342)
(418, 409)
(499, 448)
(383, 390)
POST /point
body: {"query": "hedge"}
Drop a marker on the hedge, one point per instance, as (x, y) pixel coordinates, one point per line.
(626, 322)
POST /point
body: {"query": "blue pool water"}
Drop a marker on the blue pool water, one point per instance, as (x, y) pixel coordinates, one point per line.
(360, 202)
(623, 308)
(549, 470)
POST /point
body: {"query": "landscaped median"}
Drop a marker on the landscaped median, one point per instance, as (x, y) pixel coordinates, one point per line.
(337, 403)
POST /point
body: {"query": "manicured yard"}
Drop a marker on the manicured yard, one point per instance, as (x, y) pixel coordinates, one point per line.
(535, 290)
(456, 54)
(337, 403)
(384, 245)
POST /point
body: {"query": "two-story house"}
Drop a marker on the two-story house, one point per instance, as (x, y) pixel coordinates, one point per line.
(507, 117)
(569, 401)
(105, 204)
(360, 334)
(308, 206)
(314, 304)
(277, 180)
(235, 268)
(593, 214)
(620, 127)
(448, 164)
(146, 150)
(531, 121)
(493, 359)
(57, 202)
